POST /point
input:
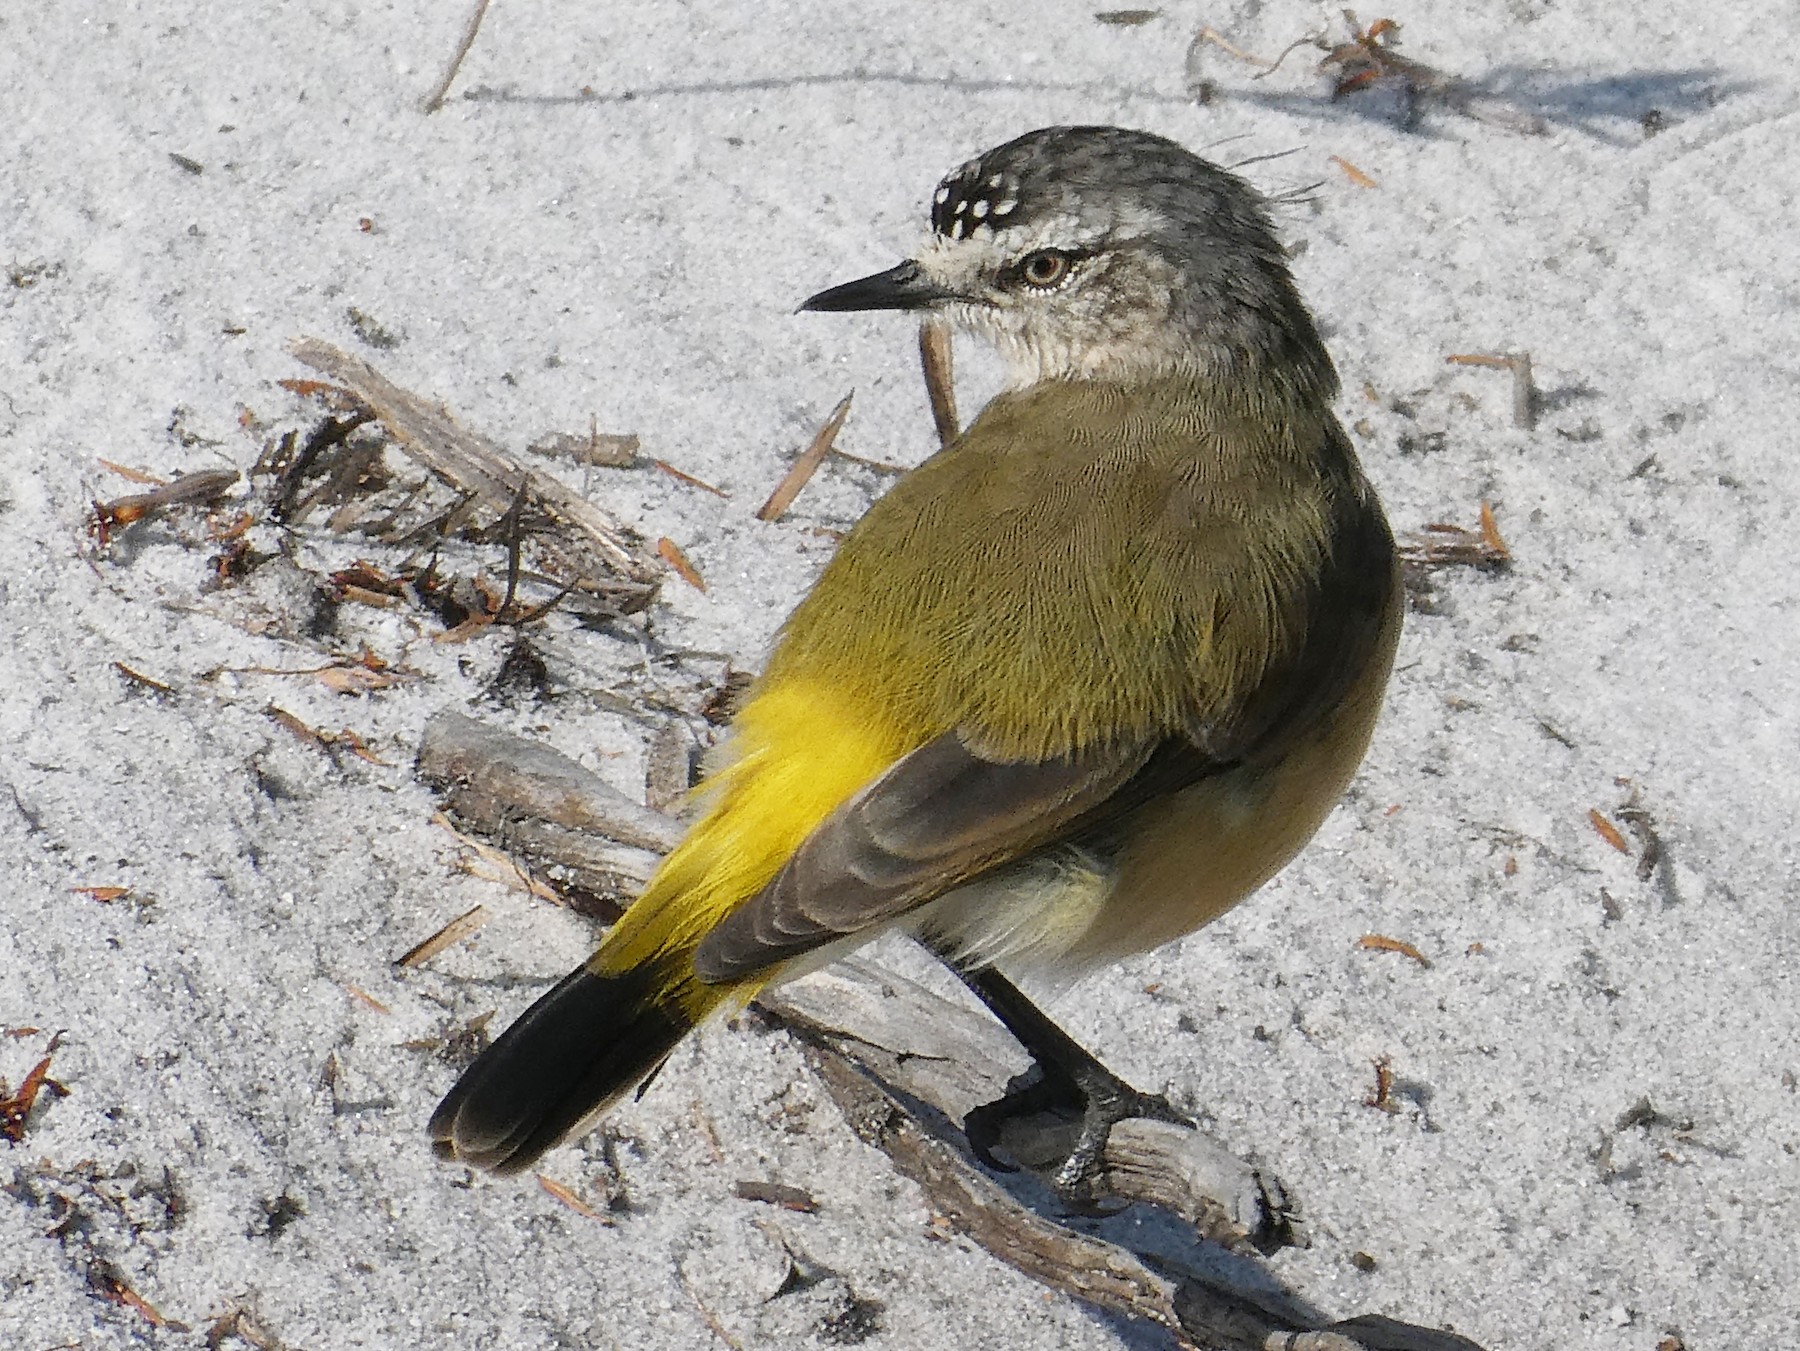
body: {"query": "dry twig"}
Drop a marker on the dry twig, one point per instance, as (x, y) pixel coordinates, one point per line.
(435, 99)
(465, 924)
(937, 361)
(803, 468)
(1524, 390)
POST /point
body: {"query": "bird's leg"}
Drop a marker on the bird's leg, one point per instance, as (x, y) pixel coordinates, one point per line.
(1068, 1076)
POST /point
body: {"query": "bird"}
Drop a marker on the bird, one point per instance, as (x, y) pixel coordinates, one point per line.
(1073, 687)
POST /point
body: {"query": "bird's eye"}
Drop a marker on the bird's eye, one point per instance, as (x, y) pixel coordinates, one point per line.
(1045, 268)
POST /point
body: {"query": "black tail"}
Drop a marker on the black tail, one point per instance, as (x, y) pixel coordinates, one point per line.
(580, 1048)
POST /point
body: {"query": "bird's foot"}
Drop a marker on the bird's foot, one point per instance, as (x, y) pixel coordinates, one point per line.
(1095, 1096)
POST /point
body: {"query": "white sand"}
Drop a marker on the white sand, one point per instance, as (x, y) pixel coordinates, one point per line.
(636, 258)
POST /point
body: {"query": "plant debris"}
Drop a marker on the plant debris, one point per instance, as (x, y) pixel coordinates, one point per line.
(1381, 943)
(1365, 61)
(803, 468)
(199, 488)
(15, 1108)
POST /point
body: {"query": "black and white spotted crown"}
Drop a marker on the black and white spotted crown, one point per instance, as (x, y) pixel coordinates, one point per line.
(975, 196)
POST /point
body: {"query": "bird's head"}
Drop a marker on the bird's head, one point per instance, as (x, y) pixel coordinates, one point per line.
(1102, 253)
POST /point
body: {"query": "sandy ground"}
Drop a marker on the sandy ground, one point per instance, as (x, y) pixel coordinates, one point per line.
(612, 220)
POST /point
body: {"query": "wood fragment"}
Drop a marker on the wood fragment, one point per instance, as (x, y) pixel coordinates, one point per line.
(1126, 18)
(494, 865)
(671, 553)
(495, 773)
(602, 450)
(776, 1194)
(240, 1324)
(1608, 831)
(803, 468)
(1643, 825)
(1441, 544)
(668, 767)
(1525, 398)
(441, 90)
(465, 924)
(1382, 943)
(1354, 174)
(937, 361)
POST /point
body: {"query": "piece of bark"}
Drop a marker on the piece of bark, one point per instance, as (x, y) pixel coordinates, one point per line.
(904, 1065)
(599, 549)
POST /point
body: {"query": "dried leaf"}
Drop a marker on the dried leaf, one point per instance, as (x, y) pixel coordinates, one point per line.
(351, 742)
(105, 895)
(16, 1107)
(359, 679)
(1608, 831)
(1490, 535)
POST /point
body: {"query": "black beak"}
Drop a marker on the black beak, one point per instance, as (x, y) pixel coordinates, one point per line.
(899, 288)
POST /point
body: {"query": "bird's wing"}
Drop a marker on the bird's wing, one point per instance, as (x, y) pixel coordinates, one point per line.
(939, 817)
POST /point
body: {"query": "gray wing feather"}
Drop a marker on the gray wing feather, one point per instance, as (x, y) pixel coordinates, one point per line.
(940, 816)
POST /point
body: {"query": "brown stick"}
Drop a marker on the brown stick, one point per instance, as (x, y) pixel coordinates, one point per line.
(937, 360)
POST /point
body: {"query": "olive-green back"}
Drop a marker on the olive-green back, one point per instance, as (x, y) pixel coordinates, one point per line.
(1094, 563)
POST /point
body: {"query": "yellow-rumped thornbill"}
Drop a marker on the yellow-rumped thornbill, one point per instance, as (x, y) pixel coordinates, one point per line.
(1075, 686)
